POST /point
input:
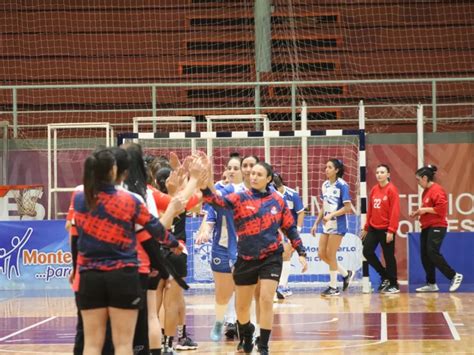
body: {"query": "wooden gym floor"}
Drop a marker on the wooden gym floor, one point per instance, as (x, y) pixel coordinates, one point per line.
(305, 323)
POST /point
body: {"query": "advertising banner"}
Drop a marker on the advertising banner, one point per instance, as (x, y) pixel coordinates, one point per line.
(34, 255)
(457, 250)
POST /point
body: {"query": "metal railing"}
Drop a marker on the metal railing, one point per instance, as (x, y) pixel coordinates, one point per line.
(257, 107)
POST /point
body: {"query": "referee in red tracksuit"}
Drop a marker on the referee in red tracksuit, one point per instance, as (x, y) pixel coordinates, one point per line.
(433, 219)
(383, 215)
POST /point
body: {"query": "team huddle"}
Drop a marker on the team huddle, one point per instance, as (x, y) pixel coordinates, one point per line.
(128, 240)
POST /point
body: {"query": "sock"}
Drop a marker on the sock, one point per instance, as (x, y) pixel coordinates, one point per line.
(333, 279)
(168, 341)
(341, 270)
(180, 331)
(155, 351)
(220, 312)
(257, 329)
(285, 273)
(264, 337)
(230, 315)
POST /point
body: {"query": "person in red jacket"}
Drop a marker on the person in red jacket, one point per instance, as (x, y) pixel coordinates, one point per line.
(383, 214)
(432, 215)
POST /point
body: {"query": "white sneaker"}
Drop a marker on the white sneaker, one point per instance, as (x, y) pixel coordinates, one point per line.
(366, 285)
(428, 288)
(456, 282)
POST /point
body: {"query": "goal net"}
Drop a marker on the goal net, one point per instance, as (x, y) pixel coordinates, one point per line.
(180, 43)
(288, 156)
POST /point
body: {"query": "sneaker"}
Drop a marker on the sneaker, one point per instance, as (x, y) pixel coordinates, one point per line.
(230, 330)
(383, 284)
(240, 346)
(366, 285)
(347, 280)
(216, 331)
(168, 350)
(186, 343)
(287, 292)
(246, 337)
(455, 282)
(280, 293)
(390, 290)
(428, 288)
(263, 350)
(331, 292)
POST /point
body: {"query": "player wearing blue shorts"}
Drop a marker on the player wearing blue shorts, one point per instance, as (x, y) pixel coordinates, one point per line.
(336, 204)
(224, 251)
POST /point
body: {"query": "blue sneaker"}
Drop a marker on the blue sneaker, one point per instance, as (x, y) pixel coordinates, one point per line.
(216, 332)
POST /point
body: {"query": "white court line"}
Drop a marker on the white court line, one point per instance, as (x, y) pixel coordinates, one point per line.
(27, 328)
(451, 326)
(383, 327)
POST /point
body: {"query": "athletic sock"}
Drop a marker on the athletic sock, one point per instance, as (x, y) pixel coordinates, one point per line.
(342, 270)
(285, 273)
(180, 331)
(333, 279)
(230, 315)
(264, 337)
(220, 310)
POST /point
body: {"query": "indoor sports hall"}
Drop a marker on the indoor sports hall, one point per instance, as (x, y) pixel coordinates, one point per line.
(353, 93)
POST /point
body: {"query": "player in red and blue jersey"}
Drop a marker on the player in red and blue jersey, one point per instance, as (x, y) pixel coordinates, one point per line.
(258, 215)
(105, 221)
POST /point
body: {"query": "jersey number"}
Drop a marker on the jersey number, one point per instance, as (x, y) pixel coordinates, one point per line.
(377, 202)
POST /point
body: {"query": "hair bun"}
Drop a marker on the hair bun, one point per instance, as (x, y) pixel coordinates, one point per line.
(433, 168)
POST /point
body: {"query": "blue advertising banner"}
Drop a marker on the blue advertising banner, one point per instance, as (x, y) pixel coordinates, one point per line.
(35, 255)
(457, 249)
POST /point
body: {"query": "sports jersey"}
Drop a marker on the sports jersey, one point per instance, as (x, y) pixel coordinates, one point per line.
(107, 238)
(333, 196)
(383, 210)
(293, 201)
(435, 197)
(257, 217)
(224, 234)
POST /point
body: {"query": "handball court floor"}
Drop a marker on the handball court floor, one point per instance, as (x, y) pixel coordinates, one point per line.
(40, 323)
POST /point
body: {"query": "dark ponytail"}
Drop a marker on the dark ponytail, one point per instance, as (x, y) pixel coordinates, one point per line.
(339, 166)
(137, 175)
(429, 171)
(161, 176)
(97, 169)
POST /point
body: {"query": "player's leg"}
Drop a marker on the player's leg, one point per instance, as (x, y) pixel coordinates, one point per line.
(245, 277)
(224, 289)
(371, 242)
(333, 244)
(269, 275)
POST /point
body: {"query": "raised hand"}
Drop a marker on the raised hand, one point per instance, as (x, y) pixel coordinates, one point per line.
(174, 161)
(175, 181)
(176, 205)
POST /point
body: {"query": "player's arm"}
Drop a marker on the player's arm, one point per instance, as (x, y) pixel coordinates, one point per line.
(152, 248)
(394, 200)
(288, 227)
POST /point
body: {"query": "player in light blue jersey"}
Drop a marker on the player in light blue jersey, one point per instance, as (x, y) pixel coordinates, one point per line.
(294, 203)
(220, 223)
(336, 204)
